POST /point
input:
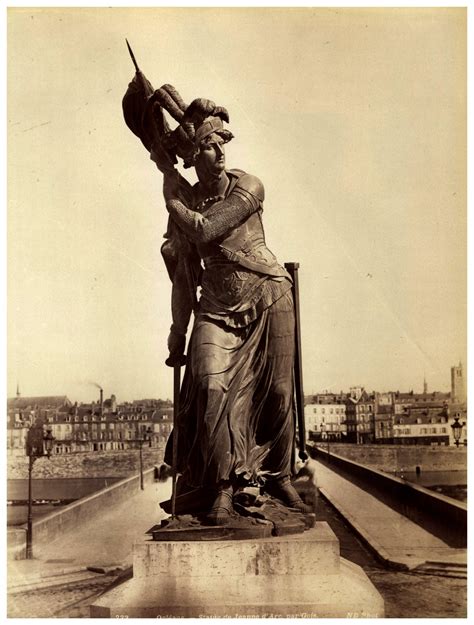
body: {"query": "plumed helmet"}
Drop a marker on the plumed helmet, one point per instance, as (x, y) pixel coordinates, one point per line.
(196, 122)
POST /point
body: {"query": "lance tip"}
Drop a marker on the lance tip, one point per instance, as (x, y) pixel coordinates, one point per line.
(132, 55)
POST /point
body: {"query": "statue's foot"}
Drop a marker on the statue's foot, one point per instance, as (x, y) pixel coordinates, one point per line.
(222, 508)
(282, 489)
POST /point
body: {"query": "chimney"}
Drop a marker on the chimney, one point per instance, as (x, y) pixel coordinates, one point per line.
(101, 409)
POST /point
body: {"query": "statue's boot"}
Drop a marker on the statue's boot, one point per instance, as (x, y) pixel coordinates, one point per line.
(222, 508)
(281, 488)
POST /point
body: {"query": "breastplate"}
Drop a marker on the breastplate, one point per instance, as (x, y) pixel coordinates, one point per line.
(246, 246)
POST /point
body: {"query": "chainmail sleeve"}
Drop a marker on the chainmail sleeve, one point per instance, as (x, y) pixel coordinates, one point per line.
(221, 217)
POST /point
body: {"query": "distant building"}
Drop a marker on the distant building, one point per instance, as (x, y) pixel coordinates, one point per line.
(405, 401)
(458, 404)
(426, 427)
(23, 411)
(325, 416)
(360, 416)
(458, 387)
(98, 426)
(383, 418)
(420, 418)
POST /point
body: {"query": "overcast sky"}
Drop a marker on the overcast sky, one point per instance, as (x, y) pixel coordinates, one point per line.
(353, 119)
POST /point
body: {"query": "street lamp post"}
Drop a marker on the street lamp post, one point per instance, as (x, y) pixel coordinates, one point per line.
(38, 444)
(146, 437)
(457, 429)
(323, 432)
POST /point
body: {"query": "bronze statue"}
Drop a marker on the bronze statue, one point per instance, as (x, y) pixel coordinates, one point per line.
(235, 424)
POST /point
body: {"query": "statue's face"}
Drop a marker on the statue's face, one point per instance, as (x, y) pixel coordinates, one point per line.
(210, 162)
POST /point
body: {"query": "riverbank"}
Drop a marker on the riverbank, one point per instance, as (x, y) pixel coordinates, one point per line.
(450, 483)
(94, 464)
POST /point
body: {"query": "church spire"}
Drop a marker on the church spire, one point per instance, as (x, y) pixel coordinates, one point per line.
(17, 390)
(425, 385)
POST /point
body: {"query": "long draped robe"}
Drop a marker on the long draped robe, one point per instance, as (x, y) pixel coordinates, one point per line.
(235, 420)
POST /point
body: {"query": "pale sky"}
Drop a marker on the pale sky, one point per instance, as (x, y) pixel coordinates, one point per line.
(355, 121)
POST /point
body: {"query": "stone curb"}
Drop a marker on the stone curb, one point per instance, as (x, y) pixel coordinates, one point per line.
(52, 573)
(106, 570)
(54, 580)
(45, 575)
(60, 576)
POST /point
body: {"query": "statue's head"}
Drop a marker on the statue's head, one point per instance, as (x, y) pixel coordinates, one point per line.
(209, 154)
(200, 136)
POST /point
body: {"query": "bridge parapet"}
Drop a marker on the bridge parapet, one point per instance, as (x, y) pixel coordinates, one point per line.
(68, 518)
(443, 516)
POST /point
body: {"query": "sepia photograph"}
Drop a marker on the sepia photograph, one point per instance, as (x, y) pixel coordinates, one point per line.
(236, 276)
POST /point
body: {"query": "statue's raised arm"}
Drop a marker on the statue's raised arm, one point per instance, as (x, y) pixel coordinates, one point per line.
(143, 113)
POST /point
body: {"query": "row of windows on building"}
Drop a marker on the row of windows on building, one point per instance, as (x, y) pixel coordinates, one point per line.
(399, 431)
(97, 446)
(366, 417)
(336, 419)
(59, 427)
(419, 420)
(86, 418)
(330, 410)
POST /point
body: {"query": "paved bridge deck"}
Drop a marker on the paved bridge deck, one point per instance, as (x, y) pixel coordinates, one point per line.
(104, 541)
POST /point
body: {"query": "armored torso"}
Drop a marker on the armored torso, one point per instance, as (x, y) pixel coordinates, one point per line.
(241, 276)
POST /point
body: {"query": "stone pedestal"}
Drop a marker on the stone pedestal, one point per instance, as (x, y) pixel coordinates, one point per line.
(301, 575)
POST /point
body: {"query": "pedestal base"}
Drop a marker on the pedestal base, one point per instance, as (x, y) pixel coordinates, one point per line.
(292, 576)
